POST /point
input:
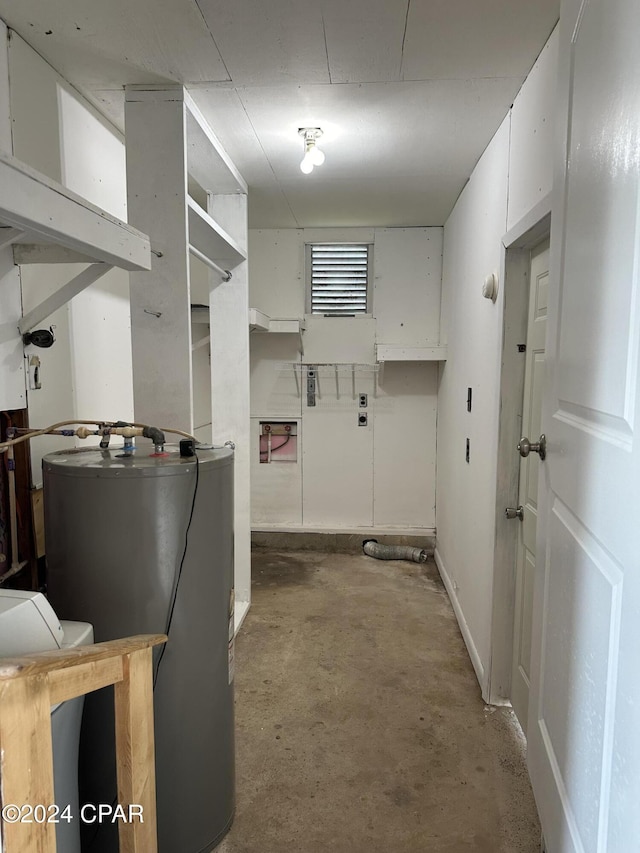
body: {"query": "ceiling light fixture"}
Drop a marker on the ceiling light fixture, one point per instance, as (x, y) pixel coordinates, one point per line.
(313, 156)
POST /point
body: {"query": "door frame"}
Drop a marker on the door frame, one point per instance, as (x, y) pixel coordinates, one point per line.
(517, 243)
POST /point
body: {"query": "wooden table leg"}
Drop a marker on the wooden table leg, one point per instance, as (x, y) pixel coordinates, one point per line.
(135, 756)
(26, 764)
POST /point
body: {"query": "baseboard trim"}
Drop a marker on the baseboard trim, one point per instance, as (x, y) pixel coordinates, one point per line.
(462, 622)
(349, 531)
(339, 542)
(240, 611)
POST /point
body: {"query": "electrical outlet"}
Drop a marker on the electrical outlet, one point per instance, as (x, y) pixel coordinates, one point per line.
(363, 401)
(311, 386)
(362, 419)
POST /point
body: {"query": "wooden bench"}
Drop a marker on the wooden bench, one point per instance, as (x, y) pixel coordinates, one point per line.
(29, 686)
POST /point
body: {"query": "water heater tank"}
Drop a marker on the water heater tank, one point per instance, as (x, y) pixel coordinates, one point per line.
(144, 544)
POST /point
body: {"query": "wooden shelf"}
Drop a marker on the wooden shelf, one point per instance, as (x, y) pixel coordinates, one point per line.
(213, 241)
(388, 352)
(44, 212)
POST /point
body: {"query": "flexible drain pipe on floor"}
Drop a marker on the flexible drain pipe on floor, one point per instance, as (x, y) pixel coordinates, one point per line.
(373, 548)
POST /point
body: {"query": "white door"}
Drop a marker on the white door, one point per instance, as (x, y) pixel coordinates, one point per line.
(584, 711)
(528, 487)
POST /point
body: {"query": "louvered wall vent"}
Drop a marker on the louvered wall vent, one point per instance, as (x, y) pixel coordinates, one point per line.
(339, 279)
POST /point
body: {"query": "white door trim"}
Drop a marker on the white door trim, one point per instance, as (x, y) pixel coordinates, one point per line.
(514, 271)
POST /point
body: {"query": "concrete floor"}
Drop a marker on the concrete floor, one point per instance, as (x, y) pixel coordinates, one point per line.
(360, 725)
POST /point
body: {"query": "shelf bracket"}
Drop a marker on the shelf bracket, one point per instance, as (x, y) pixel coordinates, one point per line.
(62, 296)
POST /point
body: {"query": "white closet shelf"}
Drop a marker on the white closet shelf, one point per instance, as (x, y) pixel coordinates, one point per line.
(259, 322)
(288, 327)
(200, 314)
(389, 352)
(211, 239)
(36, 210)
(207, 161)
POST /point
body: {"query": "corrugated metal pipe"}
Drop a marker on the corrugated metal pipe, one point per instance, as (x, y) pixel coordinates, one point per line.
(373, 548)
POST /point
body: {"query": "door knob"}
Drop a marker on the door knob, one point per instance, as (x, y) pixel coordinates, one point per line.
(525, 446)
(514, 512)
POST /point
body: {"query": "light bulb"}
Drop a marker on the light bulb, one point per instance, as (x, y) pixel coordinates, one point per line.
(312, 154)
(306, 165)
(317, 156)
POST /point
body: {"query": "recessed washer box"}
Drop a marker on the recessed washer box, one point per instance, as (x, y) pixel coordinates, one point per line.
(278, 441)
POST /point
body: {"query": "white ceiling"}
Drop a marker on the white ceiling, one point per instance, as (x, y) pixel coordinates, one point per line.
(408, 92)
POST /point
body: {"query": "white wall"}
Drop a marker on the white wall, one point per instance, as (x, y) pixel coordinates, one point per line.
(93, 165)
(12, 375)
(379, 477)
(87, 373)
(514, 173)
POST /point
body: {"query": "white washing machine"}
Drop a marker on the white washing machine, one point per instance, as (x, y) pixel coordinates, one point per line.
(29, 624)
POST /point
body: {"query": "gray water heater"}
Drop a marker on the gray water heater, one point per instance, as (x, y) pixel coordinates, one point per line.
(144, 544)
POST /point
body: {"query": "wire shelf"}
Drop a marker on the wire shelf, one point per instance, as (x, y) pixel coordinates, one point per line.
(327, 368)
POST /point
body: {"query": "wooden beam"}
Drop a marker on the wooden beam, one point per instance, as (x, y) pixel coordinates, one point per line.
(26, 761)
(43, 662)
(84, 678)
(135, 752)
(62, 296)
